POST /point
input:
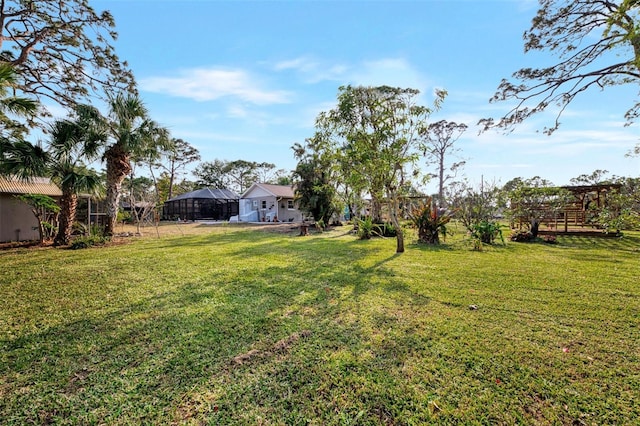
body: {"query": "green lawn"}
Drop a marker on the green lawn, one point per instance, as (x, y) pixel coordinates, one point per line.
(229, 325)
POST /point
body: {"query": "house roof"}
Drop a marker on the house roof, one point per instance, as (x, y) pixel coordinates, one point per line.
(275, 190)
(208, 193)
(39, 185)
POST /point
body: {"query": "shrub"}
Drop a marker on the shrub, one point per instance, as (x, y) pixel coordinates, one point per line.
(430, 222)
(385, 230)
(486, 232)
(521, 236)
(365, 228)
(86, 242)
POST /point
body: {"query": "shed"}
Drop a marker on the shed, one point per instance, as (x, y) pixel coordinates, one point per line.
(17, 221)
(206, 203)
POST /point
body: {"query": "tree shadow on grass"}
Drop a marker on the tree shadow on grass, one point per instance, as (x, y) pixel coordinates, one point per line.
(119, 363)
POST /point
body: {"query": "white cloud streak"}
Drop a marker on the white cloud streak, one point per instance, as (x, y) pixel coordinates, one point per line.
(208, 84)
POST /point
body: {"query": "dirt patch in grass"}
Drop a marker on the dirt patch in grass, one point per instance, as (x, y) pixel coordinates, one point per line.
(280, 346)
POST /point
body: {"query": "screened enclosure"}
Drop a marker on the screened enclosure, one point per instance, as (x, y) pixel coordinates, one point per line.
(206, 203)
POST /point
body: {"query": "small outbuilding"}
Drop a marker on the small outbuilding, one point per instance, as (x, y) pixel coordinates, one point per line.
(17, 221)
(202, 204)
(264, 202)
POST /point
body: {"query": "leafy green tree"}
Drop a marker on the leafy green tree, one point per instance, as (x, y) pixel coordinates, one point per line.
(43, 208)
(236, 175)
(133, 135)
(531, 200)
(174, 159)
(281, 177)
(620, 208)
(598, 46)
(472, 206)
(61, 50)
(379, 128)
(314, 186)
(241, 174)
(179, 187)
(211, 173)
(595, 178)
(440, 138)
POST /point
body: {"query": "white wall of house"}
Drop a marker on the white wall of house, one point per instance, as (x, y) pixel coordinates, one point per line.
(17, 221)
(263, 206)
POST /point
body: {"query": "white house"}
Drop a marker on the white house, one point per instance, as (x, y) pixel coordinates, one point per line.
(264, 202)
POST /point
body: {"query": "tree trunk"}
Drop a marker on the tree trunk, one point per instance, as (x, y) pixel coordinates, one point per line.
(376, 209)
(118, 167)
(68, 204)
(441, 202)
(396, 224)
(535, 225)
(40, 220)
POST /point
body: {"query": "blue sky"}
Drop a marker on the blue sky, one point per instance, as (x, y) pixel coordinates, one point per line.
(245, 80)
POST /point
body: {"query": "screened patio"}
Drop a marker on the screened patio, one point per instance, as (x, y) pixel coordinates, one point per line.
(202, 204)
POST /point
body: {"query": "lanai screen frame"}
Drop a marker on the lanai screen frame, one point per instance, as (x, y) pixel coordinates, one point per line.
(199, 208)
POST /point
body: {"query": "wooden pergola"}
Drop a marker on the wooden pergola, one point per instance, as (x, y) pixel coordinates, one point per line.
(575, 216)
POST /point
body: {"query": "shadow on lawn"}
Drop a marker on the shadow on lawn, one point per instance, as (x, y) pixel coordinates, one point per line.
(125, 362)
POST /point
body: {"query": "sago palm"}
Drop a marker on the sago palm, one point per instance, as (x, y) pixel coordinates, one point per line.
(133, 134)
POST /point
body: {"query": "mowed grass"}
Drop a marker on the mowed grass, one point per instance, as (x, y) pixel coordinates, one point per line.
(233, 325)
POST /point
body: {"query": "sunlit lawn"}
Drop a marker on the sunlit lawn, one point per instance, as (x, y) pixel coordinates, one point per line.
(232, 325)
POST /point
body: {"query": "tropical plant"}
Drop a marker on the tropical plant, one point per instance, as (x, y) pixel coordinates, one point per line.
(133, 134)
(473, 206)
(45, 210)
(11, 105)
(486, 232)
(430, 222)
(72, 142)
(366, 228)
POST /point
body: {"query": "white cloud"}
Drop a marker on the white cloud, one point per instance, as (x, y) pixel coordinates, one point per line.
(390, 72)
(207, 84)
(386, 71)
(237, 111)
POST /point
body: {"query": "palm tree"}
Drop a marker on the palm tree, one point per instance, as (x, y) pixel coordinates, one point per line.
(12, 106)
(134, 134)
(73, 141)
(11, 130)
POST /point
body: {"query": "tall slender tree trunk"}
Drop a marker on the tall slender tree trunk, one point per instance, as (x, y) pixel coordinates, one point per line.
(68, 205)
(118, 167)
(441, 201)
(396, 223)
